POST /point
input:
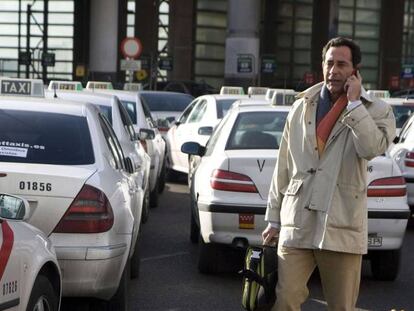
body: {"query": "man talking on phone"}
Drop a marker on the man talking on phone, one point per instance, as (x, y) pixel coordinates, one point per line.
(317, 206)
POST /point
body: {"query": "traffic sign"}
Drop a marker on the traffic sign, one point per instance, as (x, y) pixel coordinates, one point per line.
(268, 64)
(131, 47)
(244, 63)
(130, 64)
(407, 71)
(166, 63)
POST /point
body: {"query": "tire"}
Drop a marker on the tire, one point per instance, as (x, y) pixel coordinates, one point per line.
(43, 296)
(154, 197)
(385, 265)
(119, 302)
(145, 207)
(194, 229)
(208, 257)
(136, 261)
(162, 178)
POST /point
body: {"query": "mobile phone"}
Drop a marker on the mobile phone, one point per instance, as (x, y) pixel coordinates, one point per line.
(354, 72)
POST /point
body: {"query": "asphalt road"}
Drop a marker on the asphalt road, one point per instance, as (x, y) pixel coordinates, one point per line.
(170, 281)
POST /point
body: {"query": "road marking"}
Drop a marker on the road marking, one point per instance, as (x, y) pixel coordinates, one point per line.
(165, 256)
(325, 304)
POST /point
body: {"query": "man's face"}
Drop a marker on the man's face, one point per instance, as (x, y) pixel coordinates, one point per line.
(337, 67)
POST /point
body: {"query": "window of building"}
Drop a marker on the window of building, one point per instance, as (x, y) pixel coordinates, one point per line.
(130, 18)
(211, 26)
(360, 20)
(294, 35)
(408, 34)
(13, 36)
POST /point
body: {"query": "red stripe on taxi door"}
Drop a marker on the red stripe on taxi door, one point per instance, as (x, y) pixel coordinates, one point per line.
(6, 247)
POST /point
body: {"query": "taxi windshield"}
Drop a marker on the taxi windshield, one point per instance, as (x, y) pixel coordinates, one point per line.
(257, 130)
(46, 138)
(402, 113)
(166, 101)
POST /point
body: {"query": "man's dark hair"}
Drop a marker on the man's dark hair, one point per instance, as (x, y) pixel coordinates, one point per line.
(341, 41)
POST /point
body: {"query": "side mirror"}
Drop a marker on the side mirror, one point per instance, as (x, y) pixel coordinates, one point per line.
(129, 165)
(14, 207)
(146, 134)
(205, 130)
(396, 139)
(193, 148)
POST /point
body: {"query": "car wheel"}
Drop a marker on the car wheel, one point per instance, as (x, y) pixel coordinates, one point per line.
(154, 196)
(136, 260)
(161, 180)
(385, 265)
(43, 297)
(145, 207)
(119, 302)
(194, 229)
(208, 257)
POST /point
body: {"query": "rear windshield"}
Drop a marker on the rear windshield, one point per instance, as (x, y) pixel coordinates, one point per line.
(131, 107)
(224, 105)
(166, 102)
(402, 113)
(257, 130)
(46, 138)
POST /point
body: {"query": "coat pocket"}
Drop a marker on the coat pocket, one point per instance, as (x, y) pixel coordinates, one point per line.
(349, 207)
(290, 212)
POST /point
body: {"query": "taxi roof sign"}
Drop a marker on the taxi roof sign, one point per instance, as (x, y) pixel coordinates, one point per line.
(231, 90)
(379, 93)
(22, 87)
(65, 85)
(102, 85)
(132, 86)
(283, 97)
(257, 90)
(271, 92)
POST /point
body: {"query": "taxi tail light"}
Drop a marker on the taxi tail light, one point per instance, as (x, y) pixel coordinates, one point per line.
(230, 181)
(409, 159)
(144, 144)
(90, 212)
(387, 187)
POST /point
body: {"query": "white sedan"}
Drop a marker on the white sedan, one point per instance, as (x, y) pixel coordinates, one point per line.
(29, 273)
(231, 181)
(64, 158)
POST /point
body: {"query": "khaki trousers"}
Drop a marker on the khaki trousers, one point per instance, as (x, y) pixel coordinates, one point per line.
(340, 275)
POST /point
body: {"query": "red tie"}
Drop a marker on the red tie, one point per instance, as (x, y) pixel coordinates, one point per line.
(325, 126)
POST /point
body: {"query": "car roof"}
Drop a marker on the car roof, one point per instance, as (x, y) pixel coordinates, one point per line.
(87, 96)
(165, 93)
(398, 101)
(52, 105)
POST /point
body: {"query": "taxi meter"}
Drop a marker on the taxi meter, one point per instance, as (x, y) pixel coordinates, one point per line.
(281, 96)
(255, 90)
(379, 93)
(21, 87)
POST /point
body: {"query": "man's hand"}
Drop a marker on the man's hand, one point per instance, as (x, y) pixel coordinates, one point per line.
(270, 236)
(353, 87)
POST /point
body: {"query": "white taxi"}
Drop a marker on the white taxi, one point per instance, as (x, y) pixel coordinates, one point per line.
(65, 159)
(29, 273)
(142, 120)
(402, 108)
(197, 122)
(121, 123)
(230, 185)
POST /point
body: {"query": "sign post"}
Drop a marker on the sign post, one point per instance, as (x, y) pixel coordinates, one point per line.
(131, 48)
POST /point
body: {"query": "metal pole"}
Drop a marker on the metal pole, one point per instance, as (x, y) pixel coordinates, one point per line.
(29, 13)
(45, 26)
(19, 36)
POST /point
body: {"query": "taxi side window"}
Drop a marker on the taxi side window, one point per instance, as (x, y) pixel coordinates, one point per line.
(187, 111)
(214, 136)
(198, 112)
(405, 131)
(126, 121)
(147, 112)
(112, 141)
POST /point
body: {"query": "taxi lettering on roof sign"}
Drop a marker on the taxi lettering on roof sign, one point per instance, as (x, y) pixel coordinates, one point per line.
(99, 85)
(22, 87)
(379, 93)
(231, 90)
(255, 90)
(65, 86)
(284, 97)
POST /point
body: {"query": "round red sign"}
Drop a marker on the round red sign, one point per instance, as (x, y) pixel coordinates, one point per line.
(131, 47)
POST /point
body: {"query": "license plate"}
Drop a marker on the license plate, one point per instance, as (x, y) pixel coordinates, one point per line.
(374, 241)
(246, 221)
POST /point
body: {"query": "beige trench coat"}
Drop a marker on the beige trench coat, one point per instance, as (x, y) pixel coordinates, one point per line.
(321, 203)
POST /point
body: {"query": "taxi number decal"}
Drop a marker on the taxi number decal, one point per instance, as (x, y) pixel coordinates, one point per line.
(35, 186)
(9, 288)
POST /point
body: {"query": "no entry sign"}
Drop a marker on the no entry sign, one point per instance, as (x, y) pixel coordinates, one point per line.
(131, 47)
